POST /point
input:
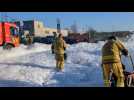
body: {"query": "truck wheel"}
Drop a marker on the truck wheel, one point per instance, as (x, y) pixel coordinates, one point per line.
(8, 46)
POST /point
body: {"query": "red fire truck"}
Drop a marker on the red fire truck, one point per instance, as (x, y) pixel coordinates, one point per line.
(9, 35)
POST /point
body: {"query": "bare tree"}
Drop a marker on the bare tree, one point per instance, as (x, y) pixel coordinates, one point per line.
(74, 28)
(92, 32)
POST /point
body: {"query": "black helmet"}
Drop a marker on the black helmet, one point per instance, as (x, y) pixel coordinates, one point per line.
(112, 38)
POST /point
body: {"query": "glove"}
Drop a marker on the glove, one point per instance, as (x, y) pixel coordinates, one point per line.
(52, 51)
(125, 52)
(65, 56)
(52, 48)
(64, 48)
(123, 66)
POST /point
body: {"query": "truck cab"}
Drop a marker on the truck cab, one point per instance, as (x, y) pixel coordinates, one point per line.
(9, 35)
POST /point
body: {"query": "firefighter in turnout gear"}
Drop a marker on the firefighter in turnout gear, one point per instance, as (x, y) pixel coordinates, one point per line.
(59, 50)
(111, 61)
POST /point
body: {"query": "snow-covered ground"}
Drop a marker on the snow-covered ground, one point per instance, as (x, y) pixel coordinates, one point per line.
(35, 66)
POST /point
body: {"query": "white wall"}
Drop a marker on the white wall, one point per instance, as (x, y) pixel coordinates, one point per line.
(42, 31)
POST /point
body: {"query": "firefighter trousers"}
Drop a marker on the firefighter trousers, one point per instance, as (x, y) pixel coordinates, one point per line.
(59, 61)
(117, 69)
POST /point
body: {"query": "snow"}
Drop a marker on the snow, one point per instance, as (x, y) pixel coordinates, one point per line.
(35, 66)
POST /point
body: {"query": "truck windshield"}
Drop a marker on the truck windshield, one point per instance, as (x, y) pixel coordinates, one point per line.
(13, 31)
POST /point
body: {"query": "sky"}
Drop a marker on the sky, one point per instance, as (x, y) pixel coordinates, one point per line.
(100, 21)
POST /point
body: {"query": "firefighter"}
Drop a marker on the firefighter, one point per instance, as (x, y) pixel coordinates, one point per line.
(28, 39)
(111, 61)
(59, 50)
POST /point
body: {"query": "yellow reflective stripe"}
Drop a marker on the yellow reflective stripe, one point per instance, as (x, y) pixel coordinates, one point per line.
(110, 57)
(107, 83)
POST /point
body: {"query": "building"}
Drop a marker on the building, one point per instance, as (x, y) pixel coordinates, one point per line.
(98, 36)
(79, 37)
(102, 36)
(50, 31)
(37, 28)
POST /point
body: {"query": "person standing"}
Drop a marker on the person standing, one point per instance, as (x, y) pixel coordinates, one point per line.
(59, 50)
(111, 61)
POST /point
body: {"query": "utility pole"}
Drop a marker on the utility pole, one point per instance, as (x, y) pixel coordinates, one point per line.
(58, 26)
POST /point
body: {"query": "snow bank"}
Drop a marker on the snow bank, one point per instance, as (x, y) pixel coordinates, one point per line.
(22, 50)
(85, 54)
(23, 73)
